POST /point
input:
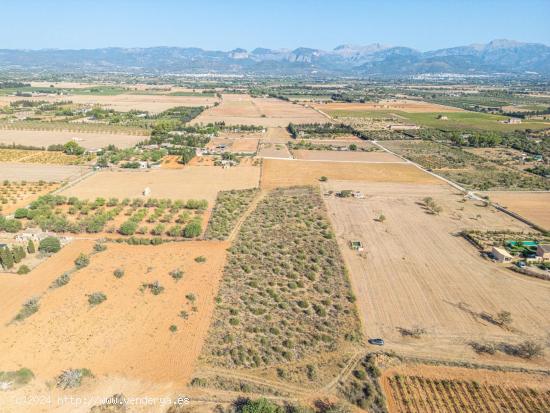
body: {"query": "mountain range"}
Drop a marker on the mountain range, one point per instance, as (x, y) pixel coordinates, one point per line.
(495, 57)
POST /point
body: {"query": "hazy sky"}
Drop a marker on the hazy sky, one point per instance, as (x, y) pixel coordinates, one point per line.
(224, 25)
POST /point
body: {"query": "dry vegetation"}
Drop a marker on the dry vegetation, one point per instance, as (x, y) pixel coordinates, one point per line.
(129, 332)
(285, 293)
(466, 168)
(230, 205)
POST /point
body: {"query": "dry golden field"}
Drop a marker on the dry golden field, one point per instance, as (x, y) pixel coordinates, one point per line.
(349, 156)
(427, 389)
(403, 105)
(192, 182)
(39, 157)
(13, 171)
(534, 206)
(238, 109)
(277, 172)
(126, 102)
(84, 139)
(417, 272)
(128, 334)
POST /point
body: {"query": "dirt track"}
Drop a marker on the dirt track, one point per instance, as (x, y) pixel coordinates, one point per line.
(415, 272)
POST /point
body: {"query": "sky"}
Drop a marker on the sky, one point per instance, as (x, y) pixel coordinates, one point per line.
(225, 25)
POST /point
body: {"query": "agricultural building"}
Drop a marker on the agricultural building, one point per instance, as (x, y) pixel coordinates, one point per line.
(501, 255)
(543, 252)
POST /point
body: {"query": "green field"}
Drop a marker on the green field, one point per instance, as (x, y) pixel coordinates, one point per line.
(456, 120)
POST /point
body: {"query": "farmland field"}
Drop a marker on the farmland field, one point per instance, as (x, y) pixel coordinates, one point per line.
(243, 109)
(455, 120)
(14, 195)
(194, 182)
(87, 140)
(126, 102)
(350, 156)
(416, 272)
(420, 389)
(35, 172)
(129, 333)
(39, 157)
(294, 172)
(409, 106)
(534, 206)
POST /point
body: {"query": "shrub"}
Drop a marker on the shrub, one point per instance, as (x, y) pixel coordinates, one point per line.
(62, 280)
(200, 259)
(323, 179)
(72, 378)
(191, 297)
(176, 274)
(23, 270)
(155, 287)
(30, 307)
(192, 230)
(99, 247)
(96, 298)
(128, 228)
(173, 328)
(21, 213)
(30, 247)
(82, 261)
(49, 245)
(119, 273)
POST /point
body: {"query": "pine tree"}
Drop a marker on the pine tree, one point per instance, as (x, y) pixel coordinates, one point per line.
(6, 258)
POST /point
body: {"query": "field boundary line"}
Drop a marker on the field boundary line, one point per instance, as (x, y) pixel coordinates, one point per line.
(335, 161)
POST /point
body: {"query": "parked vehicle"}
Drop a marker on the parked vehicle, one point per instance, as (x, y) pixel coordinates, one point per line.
(376, 341)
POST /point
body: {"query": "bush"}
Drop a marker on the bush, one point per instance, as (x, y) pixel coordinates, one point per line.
(173, 328)
(62, 280)
(23, 270)
(200, 259)
(99, 247)
(49, 245)
(21, 213)
(128, 228)
(82, 261)
(72, 378)
(30, 247)
(96, 298)
(192, 230)
(30, 307)
(119, 273)
(176, 274)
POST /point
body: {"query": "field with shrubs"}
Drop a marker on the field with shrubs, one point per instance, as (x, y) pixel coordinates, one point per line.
(285, 294)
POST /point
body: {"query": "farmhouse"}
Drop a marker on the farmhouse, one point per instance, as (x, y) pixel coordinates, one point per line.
(543, 252)
(511, 121)
(501, 255)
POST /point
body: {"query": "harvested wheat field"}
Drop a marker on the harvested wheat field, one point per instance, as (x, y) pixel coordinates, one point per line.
(534, 206)
(84, 139)
(238, 109)
(129, 333)
(346, 156)
(422, 389)
(277, 135)
(274, 150)
(417, 272)
(126, 102)
(404, 105)
(278, 172)
(193, 182)
(13, 171)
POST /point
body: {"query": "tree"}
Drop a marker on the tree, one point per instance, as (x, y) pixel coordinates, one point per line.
(30, 247)
(186, 155)
(381, 218)
(260, 406)
(73, 148)
(21, 213)
(353, 147)
(49, 245)
(323, 179)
